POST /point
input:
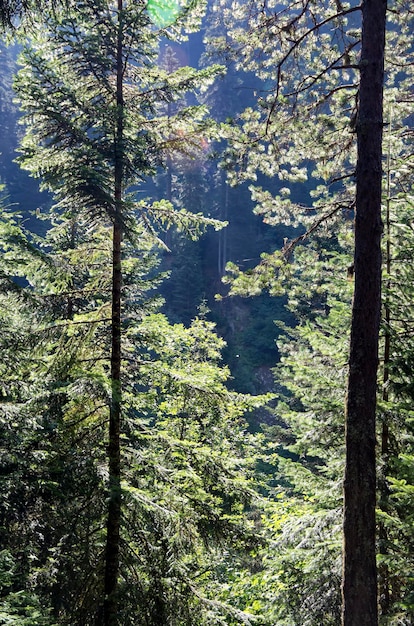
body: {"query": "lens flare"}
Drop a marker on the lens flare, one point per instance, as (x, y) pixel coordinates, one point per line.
(163, 12)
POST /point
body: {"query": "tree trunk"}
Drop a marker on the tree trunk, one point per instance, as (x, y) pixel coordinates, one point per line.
(114, 446)
(114, 452)
(359, 586)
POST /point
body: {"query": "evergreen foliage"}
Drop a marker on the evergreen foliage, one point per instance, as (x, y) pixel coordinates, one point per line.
(175, 486)
(166, 526)
(302, 130)
(187, 458)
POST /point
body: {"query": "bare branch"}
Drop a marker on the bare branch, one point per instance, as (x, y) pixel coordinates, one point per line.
(290, 245)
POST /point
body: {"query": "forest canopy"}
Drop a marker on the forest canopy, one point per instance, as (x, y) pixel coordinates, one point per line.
(205, 313)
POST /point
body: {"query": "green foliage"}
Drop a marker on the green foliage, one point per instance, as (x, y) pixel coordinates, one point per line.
(190, 479)
(300, 130)
(394, 407)
(67, 91)
(188, 459)
(18, 607)
(193, 547)
(306, 520)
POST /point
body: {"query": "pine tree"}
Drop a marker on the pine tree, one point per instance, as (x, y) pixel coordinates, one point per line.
(316, 82)
(187, 459)
(93, 132)
(90, 112)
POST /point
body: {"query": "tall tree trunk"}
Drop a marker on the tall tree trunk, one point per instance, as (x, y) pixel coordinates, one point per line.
(114, 447)
(114, 452)
(359, 585)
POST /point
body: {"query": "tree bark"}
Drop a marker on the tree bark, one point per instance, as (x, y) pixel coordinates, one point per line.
(114, 445)
(359, 587)
(114, 451)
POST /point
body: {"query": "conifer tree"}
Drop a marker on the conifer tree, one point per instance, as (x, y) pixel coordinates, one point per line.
(316, 83)
(96, 124)
(91, 96)
(187, 459)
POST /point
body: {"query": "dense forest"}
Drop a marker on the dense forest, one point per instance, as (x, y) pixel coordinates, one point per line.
(206, 323)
